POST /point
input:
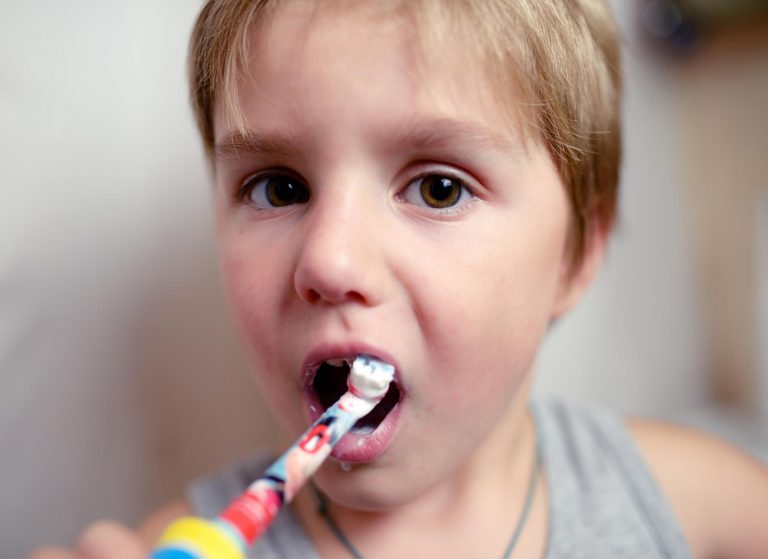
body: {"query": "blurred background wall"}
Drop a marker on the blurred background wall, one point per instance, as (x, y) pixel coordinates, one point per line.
(682, 285)
(120, 378)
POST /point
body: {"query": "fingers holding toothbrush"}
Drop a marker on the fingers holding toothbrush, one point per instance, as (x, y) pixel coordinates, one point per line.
(100, 540)
(109, 540)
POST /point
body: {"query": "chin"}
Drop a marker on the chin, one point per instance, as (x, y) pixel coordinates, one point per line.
(369, 487)
(364, 487)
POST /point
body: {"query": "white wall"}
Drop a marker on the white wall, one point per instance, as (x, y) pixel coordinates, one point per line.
(116, 356)
(636, 341)
(762, 313)
(119, 375)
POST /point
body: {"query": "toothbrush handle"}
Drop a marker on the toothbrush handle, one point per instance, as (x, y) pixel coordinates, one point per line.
(250, 514)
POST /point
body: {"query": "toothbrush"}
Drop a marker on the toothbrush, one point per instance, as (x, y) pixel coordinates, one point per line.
(250, 514)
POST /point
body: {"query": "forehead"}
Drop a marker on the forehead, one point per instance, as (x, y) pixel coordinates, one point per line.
(301, 41)
(300, 52)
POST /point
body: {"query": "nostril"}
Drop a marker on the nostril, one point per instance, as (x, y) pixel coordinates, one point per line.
(355, 296)
(329, 294)
(311, 296)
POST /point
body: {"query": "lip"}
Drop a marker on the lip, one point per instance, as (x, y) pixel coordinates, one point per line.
(358, 449)
(352, 448)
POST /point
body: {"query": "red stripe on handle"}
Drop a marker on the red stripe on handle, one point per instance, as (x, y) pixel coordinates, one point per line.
(252, 512)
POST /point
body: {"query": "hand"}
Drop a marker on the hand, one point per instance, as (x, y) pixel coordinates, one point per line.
(100, 540)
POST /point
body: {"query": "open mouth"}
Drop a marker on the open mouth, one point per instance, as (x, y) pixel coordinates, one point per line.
(330, 383)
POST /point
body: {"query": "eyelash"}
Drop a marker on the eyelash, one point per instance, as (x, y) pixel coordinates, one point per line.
(245, 189)
(466, 190)
(246, 186)
(244, 193)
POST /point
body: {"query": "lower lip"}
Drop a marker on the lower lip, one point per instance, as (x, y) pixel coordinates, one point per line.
(358, 449)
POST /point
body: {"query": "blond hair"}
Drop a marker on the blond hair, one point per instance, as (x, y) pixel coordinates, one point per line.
(561, 56)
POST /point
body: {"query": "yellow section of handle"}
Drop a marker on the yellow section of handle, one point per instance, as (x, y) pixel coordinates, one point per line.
(204, 536)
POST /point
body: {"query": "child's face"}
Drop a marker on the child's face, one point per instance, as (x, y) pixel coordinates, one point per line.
(394, 211)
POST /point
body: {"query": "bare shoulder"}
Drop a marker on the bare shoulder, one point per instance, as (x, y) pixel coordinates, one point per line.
(719, 493)
(150, 530)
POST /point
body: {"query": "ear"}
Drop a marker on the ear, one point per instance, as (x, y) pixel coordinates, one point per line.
(574, 280)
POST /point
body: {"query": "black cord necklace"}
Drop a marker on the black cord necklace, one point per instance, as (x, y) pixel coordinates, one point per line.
(323, 507)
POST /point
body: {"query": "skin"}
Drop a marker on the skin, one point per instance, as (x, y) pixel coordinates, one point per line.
(460, 297)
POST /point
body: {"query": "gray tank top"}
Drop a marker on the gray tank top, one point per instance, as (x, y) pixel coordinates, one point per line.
(604, 503)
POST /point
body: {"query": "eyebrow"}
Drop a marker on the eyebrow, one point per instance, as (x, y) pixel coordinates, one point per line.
(438, 133)
(445, 132)
(253, 142)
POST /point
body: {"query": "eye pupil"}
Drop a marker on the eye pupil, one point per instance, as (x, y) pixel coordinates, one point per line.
(284, 191)
(440, 192)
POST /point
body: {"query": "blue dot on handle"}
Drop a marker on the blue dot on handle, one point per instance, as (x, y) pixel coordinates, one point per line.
(174, 553)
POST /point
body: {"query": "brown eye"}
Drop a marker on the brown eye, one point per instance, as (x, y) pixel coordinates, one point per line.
(436, 192)
(440, 192)
(275, 191)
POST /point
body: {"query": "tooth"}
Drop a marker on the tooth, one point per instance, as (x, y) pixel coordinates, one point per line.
(336, 362)
(364, 431)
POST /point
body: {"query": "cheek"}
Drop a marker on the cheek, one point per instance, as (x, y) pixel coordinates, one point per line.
(485, 312)
(251, 274)
(243, 262)
(253, 292)
(251, 288)
(242, 284)
(498, 295)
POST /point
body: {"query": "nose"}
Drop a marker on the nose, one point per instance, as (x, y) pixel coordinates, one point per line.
(339, 260)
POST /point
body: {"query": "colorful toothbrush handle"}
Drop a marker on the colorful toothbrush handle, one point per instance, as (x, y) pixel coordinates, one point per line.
(250, 514)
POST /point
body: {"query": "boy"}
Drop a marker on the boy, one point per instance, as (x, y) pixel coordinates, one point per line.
(433, 183)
